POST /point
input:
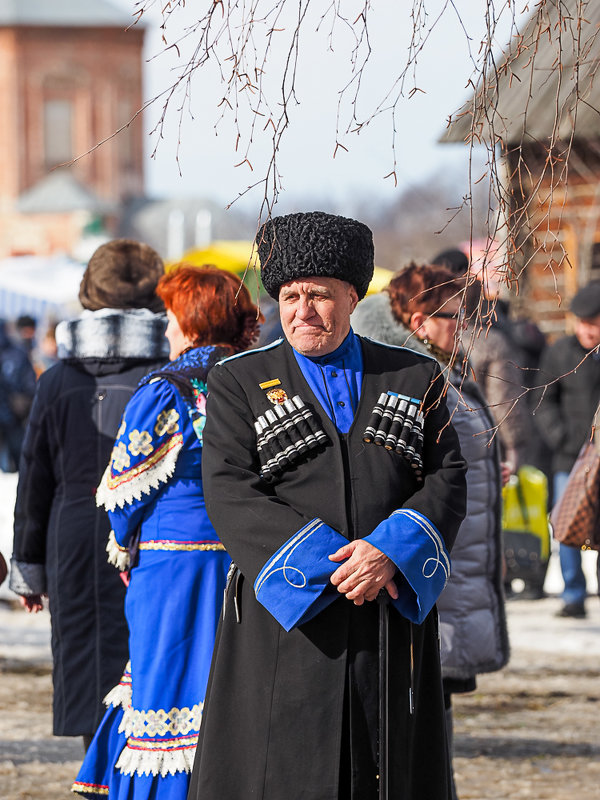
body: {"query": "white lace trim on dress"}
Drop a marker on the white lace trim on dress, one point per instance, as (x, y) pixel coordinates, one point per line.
(122, 489)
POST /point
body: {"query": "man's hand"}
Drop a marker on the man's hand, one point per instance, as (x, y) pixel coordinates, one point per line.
(32, 602)
(365, 573)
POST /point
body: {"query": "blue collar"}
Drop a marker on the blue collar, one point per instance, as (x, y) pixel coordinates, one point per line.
(344, 353)
(335, 380)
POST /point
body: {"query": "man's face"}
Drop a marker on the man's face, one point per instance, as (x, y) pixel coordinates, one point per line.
(587, 332)
(315, 313)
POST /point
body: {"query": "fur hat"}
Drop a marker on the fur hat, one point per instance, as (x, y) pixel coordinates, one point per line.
(586, 303)
(315, 244)
(122, 273)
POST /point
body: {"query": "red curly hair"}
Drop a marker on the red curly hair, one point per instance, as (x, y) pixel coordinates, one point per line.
(212, 306)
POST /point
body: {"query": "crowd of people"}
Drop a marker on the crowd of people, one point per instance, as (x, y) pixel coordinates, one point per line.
(271, 562)
(17, 388)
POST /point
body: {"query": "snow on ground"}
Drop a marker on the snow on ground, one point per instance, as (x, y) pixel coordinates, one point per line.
(27, 636)
(8, 488)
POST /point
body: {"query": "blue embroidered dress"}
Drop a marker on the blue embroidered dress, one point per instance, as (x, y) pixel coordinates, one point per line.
(152, 489)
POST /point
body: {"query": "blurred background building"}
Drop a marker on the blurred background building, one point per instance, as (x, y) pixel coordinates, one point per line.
(540, 109)
(73, 150)
(72, 153)
(71, 76)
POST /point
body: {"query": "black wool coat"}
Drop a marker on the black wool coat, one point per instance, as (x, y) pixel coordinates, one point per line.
(60, 536)
(567, 403)
(274, 725)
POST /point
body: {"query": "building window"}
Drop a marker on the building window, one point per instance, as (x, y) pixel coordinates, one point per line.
(595, 261)
(58, 132)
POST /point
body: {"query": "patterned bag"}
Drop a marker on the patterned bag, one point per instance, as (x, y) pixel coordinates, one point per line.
(575, 519)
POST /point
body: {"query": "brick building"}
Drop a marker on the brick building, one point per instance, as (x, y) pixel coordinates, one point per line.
(70, 77)
(541, 109)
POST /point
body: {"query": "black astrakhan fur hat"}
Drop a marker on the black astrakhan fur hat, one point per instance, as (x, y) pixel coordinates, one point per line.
(315, 244)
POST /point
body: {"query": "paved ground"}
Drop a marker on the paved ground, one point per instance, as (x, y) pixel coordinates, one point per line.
(529, 731)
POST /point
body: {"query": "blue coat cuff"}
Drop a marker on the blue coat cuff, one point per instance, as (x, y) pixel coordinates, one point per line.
(416, 547)
(294, 583)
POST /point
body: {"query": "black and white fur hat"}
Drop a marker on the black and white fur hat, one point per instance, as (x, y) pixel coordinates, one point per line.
(315, 244)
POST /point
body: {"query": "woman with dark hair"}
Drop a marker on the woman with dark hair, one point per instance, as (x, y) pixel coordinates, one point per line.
(59, 533)
(422, 308)
(162, 538)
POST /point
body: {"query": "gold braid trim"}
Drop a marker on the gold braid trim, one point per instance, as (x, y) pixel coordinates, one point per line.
(163, 744)
(89, 788)
(170, 545)
(119, 490)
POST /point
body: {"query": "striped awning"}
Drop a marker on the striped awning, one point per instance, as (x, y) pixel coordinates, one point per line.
(44, 288)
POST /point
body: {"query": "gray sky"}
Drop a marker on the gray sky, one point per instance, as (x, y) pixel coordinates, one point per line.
(207, 155)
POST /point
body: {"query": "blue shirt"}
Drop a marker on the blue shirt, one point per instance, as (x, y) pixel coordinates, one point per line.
(335, 380)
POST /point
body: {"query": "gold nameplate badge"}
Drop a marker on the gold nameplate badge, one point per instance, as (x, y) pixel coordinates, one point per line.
(269, 384)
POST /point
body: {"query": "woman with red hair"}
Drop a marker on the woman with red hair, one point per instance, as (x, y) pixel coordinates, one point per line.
(164, 543)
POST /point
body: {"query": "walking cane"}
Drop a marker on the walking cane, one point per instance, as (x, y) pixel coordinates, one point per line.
(382, 599)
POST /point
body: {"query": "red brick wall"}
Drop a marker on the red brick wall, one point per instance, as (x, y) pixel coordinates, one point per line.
(97, 69)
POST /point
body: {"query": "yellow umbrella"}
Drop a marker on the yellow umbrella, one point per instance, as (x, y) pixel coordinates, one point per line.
(381, 278)
(234, 255)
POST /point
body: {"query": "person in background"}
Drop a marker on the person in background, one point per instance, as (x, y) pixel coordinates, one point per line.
(421, 308)
(569, 393)
(496, 360)
(59, 534)
(596, 439)
(271, 328)
(153, 491)
(47, 352)
(320, 521)
(17, 388)
(26, 328)
(504, 354)
(39, 345)
(453, 259)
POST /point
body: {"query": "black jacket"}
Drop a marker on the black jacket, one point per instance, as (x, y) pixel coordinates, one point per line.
(568, 401)
(60, 536)
(17, 382)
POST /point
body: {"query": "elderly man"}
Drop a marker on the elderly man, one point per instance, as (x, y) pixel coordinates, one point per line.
(333, 476)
